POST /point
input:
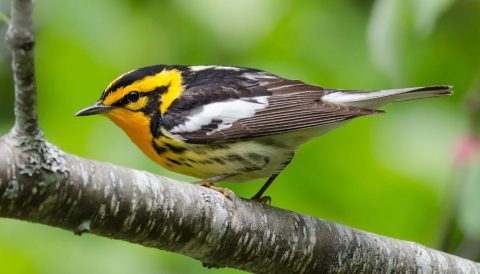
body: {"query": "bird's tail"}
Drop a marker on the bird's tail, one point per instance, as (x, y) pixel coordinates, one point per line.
(378, 98)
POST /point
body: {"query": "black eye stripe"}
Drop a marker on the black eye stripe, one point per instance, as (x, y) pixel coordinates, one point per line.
(130, 97)
(134, 96)
(160, 90)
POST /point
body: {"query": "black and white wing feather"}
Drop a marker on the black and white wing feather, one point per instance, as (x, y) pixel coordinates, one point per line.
(254, 104)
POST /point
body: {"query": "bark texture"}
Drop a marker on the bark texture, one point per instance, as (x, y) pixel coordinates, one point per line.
(42, 184)
(21, 39)
(66, 191)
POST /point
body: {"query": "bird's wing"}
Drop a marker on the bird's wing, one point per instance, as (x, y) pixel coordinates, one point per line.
(261, 104)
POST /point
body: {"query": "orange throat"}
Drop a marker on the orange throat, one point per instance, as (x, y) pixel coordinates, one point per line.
(137, 126)
(173, 153)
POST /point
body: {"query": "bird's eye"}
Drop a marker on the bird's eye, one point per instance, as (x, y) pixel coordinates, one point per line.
(133, 96)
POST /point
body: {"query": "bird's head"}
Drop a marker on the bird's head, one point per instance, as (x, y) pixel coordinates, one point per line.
(138, 95)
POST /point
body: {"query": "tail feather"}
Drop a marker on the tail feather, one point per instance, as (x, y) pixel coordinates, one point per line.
(375, 99)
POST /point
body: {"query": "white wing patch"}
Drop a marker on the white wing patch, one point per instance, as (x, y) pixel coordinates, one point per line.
(200, 68)
(226, 112)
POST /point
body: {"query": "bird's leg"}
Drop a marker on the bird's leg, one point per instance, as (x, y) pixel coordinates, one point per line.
(266, 199)
(259, 196)
(210, 181)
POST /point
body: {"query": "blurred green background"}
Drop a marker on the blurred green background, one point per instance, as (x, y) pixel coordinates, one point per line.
(392, 174)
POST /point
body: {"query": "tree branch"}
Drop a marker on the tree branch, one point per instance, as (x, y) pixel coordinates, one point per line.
(115, 202)
(21, 39)
(40, 183)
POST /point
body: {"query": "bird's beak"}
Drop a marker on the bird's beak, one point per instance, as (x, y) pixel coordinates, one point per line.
(97, 108)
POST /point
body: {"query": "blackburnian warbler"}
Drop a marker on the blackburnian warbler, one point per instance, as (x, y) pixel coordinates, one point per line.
(221, 123)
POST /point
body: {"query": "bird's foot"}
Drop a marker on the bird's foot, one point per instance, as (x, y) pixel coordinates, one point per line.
(262, 199)
(225, 191)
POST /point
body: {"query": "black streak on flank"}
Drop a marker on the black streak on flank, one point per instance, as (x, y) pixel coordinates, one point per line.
(236, 158)
(160, 150)
(175, 148)
(206, 162)
(174, 161)
(218, 160)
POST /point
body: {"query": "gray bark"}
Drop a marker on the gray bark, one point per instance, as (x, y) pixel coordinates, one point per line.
(21, 40)
(42, 184)
(70, 192)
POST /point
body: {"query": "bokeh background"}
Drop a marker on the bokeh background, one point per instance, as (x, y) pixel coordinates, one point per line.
(408, 174)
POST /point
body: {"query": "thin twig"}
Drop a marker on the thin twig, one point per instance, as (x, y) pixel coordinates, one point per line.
(21, 39)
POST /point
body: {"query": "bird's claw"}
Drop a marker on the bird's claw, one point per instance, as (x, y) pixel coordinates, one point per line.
(225, 191)
(267, 200)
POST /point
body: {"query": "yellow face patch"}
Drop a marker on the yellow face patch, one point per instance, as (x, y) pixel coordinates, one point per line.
(166, 78)
(138, 105)
(173, 91)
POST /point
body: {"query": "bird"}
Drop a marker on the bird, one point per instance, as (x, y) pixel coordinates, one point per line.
(226, 123)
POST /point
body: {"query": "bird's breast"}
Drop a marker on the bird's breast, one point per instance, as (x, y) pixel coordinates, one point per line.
(259, 157)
